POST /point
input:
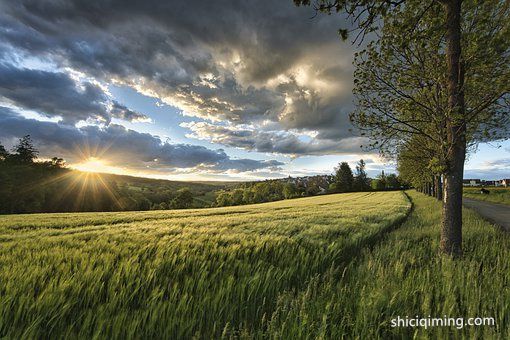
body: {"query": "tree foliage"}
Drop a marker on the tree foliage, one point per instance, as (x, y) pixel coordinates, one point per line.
(361, 181)
(401, 83)
(183, 199)
(344, 179)
(25, 151)
(364, 13)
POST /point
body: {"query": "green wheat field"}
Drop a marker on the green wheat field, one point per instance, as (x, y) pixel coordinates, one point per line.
(335, 266)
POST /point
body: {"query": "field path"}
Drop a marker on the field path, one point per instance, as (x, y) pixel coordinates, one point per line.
(496, 213)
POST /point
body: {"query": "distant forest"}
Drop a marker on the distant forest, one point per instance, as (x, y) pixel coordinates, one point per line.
(30, 186)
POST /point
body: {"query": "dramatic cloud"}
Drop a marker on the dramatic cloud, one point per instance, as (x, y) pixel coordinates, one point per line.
(119, 145)
(57, 94)
(270, 141)
(244, 62)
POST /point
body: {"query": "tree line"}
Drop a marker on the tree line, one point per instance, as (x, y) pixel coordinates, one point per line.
(343, 180)
(31, 185)
(270, 190)
(347, 181)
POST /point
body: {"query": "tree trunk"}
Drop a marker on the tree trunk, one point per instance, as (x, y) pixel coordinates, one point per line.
(451, 226)
(438, 188)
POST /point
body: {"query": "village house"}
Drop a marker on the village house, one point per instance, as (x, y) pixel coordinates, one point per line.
(486, 183)
(471, 182)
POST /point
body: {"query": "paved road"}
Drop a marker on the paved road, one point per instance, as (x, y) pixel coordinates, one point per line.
(496, 213)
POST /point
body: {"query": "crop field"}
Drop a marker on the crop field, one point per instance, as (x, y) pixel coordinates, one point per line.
(232, 272)
(331, 267)
(496, 195)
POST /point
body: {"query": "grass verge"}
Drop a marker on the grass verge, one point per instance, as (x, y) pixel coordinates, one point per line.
(496, 195)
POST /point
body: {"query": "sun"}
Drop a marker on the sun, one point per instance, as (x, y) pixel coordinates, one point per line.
(92, 164)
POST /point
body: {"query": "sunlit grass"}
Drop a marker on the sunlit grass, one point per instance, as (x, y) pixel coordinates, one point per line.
(178, 274)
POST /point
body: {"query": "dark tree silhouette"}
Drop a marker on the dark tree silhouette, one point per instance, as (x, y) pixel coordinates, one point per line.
(3, 153)
(25, 152)
(361, 179)
(57, 162)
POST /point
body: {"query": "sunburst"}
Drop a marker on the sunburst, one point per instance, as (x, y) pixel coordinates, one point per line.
(92, 164)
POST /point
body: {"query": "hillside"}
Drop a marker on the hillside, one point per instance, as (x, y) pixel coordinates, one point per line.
(46, 187)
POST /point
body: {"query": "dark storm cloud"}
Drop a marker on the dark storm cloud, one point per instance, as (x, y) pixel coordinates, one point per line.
(246, 62)
(57, 94)
(119, 145)
(118, 110)
(255, 27)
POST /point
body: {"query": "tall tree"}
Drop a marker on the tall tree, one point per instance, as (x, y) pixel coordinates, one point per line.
(402, 93)
(447, 20)
(361, 178)
(344, 178)
(25, 151)
(382, 179)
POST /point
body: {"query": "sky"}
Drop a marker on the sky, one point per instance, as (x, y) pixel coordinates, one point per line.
(187, 90)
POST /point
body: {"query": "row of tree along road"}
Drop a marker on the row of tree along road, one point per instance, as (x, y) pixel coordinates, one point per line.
(432, 83)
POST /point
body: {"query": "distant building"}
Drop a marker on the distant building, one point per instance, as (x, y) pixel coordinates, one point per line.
(471, 182)
(486, 183)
